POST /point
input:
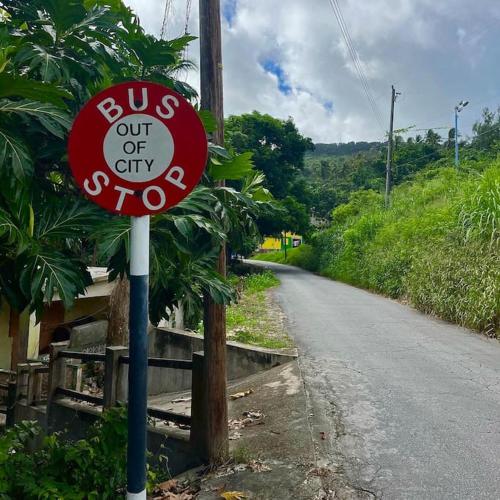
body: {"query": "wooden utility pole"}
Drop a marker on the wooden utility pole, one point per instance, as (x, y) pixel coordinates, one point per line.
(118, 325)
(388, 167)
(217, 440)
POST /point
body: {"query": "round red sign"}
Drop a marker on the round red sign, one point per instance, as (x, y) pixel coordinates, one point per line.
(137, 148)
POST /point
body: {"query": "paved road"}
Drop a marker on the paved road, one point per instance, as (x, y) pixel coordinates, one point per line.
(410, 404)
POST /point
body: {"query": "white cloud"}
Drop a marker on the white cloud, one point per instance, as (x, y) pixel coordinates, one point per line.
(436, 53)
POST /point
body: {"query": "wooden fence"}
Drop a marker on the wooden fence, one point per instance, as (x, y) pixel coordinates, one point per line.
(114, 359)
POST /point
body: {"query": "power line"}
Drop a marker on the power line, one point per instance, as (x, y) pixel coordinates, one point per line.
(166, 16)
(356, 61)
(186, 27)
(188, 13)
(493, 129)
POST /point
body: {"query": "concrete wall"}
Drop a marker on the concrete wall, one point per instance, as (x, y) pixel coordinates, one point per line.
(242, 360)
(75, 420)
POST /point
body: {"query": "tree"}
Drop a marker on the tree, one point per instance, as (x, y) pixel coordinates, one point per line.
(54, 55)
(487, 130)
(278, 151)
(432, 138)
(277, 146)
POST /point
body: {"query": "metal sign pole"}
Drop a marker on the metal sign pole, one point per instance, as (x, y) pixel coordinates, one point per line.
(138, 365)
(138, 149)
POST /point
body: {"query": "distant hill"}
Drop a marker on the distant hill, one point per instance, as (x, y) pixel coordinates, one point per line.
(343, 148)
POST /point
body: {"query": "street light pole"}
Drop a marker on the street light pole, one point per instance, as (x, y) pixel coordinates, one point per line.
(461, 105)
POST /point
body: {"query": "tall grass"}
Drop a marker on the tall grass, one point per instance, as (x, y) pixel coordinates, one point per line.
(437, 246)
(303, 256)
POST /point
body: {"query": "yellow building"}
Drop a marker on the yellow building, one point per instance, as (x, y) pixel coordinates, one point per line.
(271, 244)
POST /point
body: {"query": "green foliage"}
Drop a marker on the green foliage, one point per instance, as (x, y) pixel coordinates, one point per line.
(252, 320)
(92, 468)
(438, 245)
(303, 256)
(458, 283)
(278, 151)
(230, 169)
(260, 281)
(487, 130)
(277, 146)
(54, 56)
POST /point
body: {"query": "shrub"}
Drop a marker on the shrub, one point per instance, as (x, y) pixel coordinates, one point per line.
(458, 283)
(258, 282)
(94, 468)
(303, 256)
(438, 245)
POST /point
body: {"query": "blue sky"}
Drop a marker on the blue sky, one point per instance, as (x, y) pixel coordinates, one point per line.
(288, 58)
(274, 68)
(229, 8)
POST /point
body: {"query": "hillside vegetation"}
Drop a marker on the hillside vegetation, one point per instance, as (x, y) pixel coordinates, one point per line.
(437, 246)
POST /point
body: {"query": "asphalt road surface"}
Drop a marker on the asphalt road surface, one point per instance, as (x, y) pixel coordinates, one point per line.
(409, 405)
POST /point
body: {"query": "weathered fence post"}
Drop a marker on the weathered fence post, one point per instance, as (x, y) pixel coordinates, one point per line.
(112, 374)
(38, 385)
(198, 436)
(34, 383)
(57, 376)
(22, 380)
(76, 374)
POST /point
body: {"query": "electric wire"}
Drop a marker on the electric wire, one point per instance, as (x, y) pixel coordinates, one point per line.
(451, 141)
(356, 61)
(188, 14)
(360, 64)
(166, 17)
(186, 27)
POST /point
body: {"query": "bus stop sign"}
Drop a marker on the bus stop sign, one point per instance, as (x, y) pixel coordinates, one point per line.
(137, 148)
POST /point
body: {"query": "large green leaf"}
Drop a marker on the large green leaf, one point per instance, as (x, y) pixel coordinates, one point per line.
(236, 168)
(31, 89)
(11, 229)
(15, 155)
(253, 186)
(111, 236)
(41, 62)
(208, 120)
(55, 120)
(48, 272)
(67, 219)
(200, 200)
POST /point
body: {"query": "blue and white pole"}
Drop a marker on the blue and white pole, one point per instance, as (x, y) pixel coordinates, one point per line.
(138, 365)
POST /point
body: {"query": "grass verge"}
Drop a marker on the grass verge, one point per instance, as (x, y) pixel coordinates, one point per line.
(256, 319)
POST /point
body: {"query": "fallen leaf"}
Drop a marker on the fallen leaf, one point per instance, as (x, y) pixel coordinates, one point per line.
(234, 436)
(258, 466)
(169, 485)
(233, 495)
(253, 414)
(320, 472)
(181, 400)
(239, 395)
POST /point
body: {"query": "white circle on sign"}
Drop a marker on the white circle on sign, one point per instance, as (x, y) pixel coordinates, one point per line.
(138, 148)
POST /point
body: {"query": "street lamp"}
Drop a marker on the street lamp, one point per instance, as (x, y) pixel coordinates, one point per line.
(461, 105)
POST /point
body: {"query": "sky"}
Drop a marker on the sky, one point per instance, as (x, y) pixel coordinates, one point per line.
(288, 58)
